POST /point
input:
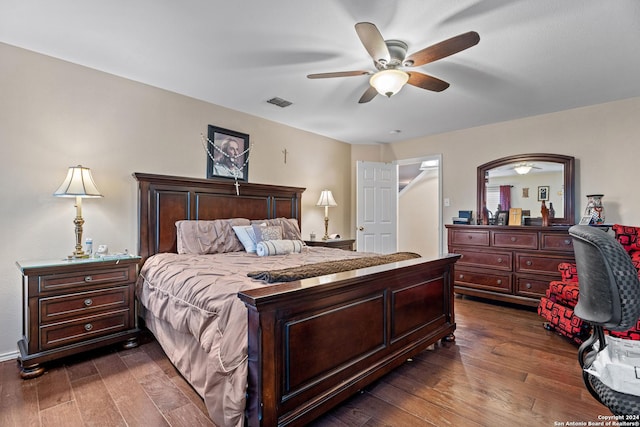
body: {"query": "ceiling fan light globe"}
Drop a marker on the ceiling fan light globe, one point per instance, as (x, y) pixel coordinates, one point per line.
(522, 169)
(389, 82)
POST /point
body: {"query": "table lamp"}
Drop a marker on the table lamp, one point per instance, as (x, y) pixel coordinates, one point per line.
(79, 184)
(327, 201)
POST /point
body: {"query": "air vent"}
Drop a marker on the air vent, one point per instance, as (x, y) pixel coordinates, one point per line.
(279, 102)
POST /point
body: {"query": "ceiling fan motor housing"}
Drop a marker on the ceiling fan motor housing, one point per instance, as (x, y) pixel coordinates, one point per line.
(397, 53)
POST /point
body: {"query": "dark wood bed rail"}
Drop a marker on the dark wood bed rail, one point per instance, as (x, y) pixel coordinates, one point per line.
(315, 342)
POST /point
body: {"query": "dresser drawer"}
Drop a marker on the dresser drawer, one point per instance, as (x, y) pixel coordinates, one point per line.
(63, 333)
(533, 287)
(509, 239)
(556, 242)
(477, 258)
(58, 308)
(482, 280)
(84, 280)
(469, 237)
(545, 264)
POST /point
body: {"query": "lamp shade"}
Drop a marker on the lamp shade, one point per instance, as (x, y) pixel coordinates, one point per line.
(389, 82)
(78, 183)
(326, 199)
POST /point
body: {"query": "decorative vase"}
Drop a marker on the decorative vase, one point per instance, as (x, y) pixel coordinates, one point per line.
(595, 209)
(545, 214)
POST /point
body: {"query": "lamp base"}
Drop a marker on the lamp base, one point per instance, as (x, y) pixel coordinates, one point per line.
(78, 256)
(326, 228)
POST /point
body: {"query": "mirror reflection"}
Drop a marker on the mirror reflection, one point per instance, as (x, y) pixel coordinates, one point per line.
(524, 185)
(523, 182)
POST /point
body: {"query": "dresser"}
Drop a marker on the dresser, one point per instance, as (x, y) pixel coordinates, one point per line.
(508, 263)
(70, 306)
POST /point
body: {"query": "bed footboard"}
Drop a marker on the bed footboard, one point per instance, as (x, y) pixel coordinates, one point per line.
(315, 342)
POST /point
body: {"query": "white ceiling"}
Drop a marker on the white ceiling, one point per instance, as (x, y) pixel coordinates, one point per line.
(534, 56)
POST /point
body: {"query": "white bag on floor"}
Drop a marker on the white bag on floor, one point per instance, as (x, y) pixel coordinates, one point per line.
(618, 365)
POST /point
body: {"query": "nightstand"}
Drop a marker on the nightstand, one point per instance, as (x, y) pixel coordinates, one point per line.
(70, 306)
(346, 244)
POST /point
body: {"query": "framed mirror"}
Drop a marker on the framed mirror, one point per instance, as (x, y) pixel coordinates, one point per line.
(529, 179)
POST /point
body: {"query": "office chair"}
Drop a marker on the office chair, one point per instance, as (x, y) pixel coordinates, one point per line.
(609, 299)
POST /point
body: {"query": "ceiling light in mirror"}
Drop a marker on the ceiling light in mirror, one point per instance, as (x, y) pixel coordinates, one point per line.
(522, 169)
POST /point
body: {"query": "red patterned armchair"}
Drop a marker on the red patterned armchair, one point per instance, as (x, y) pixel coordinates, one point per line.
(556, 307)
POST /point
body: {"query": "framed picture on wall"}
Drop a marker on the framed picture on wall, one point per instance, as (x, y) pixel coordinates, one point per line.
(543, 193)
(227, 154)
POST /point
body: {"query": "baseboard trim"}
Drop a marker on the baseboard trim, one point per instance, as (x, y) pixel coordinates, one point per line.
(8, 356)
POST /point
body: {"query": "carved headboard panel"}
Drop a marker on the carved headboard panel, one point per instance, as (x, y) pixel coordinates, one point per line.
(163, 200)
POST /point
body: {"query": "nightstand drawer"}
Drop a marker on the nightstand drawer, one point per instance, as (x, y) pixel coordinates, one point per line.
(69, 332)
(97, 278)
(58, 308)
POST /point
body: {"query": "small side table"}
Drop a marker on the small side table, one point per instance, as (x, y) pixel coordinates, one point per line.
(72, 306)
(346, 244)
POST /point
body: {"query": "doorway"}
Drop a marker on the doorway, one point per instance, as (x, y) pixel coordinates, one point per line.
(419, 207)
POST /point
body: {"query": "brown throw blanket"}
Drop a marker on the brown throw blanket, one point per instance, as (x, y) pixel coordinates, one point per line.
(330, 267)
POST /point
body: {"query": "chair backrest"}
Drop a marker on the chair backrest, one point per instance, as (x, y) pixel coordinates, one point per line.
(609, 285)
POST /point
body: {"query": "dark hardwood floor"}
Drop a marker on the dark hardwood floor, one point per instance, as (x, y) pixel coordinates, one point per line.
(503, 369)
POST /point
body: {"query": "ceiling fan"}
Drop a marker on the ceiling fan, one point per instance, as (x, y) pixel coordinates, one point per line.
(389, 56)
(524, 168)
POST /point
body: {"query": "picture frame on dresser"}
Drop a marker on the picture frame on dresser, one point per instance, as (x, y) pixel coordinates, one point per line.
(502, 218)
(586, 220)
(227, 154)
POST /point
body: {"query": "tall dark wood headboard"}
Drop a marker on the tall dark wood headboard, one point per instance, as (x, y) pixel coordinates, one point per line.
(163, 200)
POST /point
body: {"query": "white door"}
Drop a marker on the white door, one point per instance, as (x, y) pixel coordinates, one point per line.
(377, 207)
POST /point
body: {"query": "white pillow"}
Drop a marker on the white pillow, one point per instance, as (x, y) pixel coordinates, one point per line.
(247, 237)
(279, 247)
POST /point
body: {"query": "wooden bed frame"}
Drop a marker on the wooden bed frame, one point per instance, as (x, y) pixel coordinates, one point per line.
(314, 342)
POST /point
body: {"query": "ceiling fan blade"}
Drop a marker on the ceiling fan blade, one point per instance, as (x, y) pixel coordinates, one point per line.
(368, 95)
(373, 42)
(338, 74)
(443, 49)
(427, 82)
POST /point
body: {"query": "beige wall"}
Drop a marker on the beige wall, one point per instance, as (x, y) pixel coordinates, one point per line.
(603, 138)
(54, 114)
(418, 216)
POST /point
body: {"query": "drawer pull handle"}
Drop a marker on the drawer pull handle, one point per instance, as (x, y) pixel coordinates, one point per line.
(499, 260)
(461, 277)
(528, 286)
(513, 239)
(88, 327)
(529, 263)
(499, 282)
(88, 302)
(567, 242)
(88, 279)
